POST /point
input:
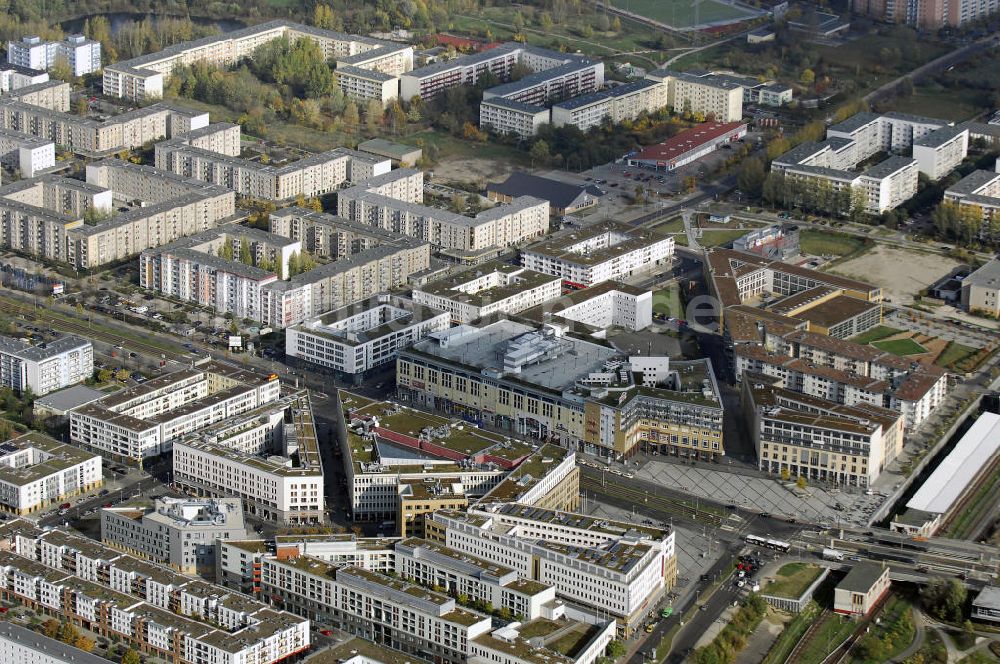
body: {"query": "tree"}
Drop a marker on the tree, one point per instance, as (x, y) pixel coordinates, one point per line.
(51, 626)
(123, 375)
(323, 17)
(801, 482)
(944, 598)
(293, 264)
(84, 643)
(808, 77)
(458, 203)
(61, 70)
(68, 633)
(785, 474)
(616, 25)
(131, 657)
(80, 106)
(351, 117)
(545, 21)
(373, 115)
(226, 250)
(539, 153)
(104, 375)
(615, 649)
(751, 178)
(245, 256)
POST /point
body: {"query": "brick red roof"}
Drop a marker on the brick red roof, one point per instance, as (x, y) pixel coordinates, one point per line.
(687, 140)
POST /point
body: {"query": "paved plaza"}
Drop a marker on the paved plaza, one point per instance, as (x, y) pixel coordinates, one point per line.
(816, 504)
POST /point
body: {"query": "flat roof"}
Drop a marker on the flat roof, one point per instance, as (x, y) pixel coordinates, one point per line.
(836, 310)
(629, 238)
(70, 397)
(942, 489)
(862, 577)
(686, 141)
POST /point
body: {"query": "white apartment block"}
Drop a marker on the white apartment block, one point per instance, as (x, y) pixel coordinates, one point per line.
(602, 252)
(37, 471)
(313, 175)
(432, 564)
(354, 339)
(612, 567)
(619, 103)
(45, 367)
(396, 614)
(705, 94)
(145, 420)
(599, 308)
(428, 82)
(28, 154)
(150, 608)
(81, 54)
(509, 116)
(13, 77)
(268, 457)
(220, 137)
(142, 77)
(488, 289)
(358, 83)
(941, 151)
(393, 203)
(178, 532)
(978, 191)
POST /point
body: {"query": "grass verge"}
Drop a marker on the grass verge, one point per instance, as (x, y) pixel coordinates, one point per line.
(901, 347)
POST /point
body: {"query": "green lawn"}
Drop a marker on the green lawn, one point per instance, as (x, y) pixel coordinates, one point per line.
(953, 353)
(450, 146)
(792, 580)
(937, 101)
(681, 13)
(668, 302)
(820, 243)
(901, 347)
(717, 238)
(681, 239)
(833, 631)
(874, 334)
(675, 225)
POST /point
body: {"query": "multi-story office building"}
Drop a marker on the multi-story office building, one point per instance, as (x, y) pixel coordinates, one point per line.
(357, 338)
(142, 77)
(178, 532)
(806, 436)
(47, 366)
(81, 54)
(601, 252)
(314, 175)
(146, 420)
(706, 94)
(149, 608)
(392, 203)
(981, 289)
(616, 568)
(37, 472)
(622, 102)
(268, 457)
(13, 77)
(541, 384)
(488, 289)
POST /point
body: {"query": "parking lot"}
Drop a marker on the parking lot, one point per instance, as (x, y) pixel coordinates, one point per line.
(823, 505)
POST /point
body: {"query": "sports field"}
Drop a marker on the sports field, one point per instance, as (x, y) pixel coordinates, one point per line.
(683, 13)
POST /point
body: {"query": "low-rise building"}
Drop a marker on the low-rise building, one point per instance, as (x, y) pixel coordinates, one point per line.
(357, 338)
(491, 288)
(596, 309)
(981, 289)
(986, 605)
(606, 251)
(47, 366)
(862, 589)
(37, 472)
(563, 198)
(405, 156)
(688, 146)
(178, 532)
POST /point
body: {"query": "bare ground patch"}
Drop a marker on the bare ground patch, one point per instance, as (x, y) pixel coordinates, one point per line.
(900, 273)
(471, 169)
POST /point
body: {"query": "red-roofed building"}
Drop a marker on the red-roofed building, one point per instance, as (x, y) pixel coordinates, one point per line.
(463, 43)
(688, 145)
